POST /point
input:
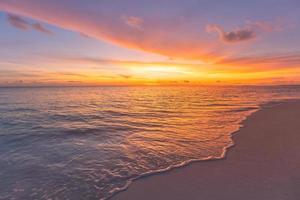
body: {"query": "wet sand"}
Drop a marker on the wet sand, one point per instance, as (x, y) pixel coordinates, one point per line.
(264, 164)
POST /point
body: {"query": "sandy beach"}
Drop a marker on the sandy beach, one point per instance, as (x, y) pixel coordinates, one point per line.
(264, 164)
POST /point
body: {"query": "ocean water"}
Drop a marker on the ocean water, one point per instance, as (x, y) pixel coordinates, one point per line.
(91, 142)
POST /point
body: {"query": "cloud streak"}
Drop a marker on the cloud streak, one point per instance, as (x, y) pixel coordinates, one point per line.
(100, 61)
(20, 23)
(287, 59)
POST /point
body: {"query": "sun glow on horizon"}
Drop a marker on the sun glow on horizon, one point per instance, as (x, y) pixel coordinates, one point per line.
(145, 46)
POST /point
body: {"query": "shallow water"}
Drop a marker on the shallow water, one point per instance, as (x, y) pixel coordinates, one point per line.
(90, 142)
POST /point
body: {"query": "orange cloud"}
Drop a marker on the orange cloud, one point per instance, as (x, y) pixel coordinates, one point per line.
(171, 38)
(164, 37)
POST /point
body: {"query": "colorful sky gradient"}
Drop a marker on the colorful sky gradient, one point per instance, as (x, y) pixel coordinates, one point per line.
(130, 42)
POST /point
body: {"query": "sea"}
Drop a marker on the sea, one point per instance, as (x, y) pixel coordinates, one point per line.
(93, 142)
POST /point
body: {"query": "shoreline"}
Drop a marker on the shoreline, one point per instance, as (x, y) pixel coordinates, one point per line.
(149, 186)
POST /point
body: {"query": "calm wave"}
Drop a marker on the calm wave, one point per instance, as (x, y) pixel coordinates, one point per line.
(90, 142)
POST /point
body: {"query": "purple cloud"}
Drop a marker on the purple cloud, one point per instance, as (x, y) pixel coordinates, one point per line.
(40, 28)
(246, 33)
(18, 22)
(235, 36)
(24, 25)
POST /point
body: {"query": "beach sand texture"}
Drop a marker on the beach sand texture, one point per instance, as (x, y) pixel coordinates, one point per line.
(264, 164)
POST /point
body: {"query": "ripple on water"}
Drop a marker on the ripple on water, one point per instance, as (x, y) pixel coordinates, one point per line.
(89, 143)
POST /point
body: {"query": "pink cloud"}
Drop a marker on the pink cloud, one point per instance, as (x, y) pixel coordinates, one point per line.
(132, 21)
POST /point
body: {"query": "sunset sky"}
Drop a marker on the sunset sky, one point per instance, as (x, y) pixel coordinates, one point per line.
(130, 42)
